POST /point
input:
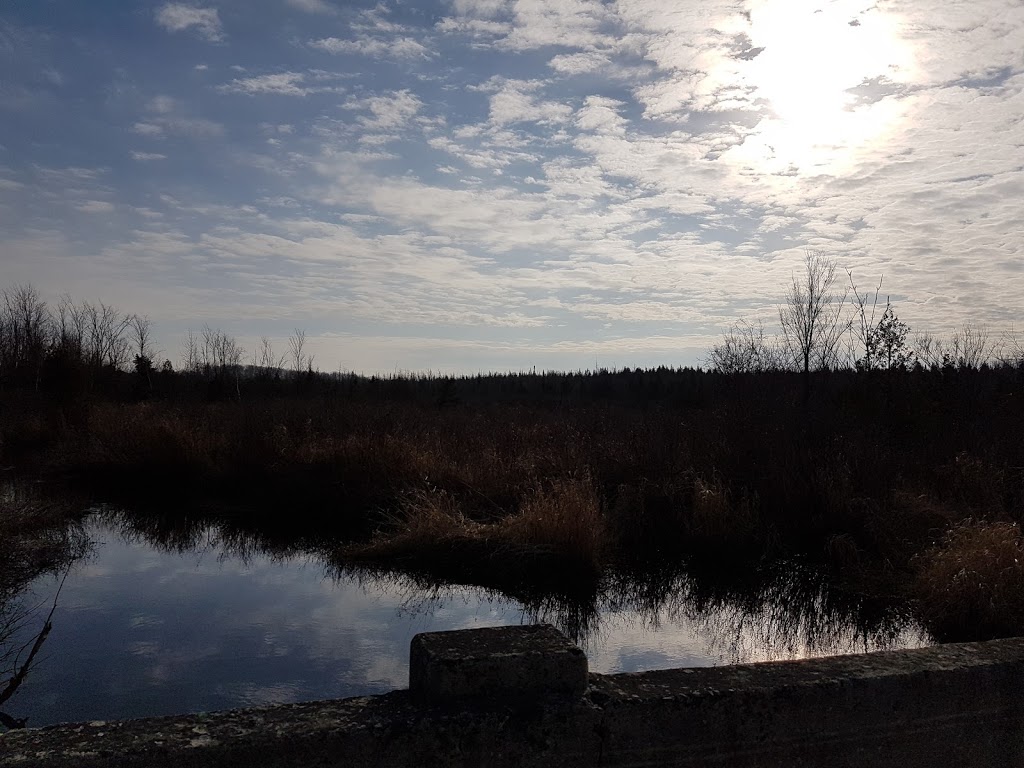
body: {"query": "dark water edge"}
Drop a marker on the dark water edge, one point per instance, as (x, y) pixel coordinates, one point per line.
(160, 619)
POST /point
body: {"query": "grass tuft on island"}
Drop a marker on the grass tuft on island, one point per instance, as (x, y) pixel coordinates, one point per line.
(557, 536)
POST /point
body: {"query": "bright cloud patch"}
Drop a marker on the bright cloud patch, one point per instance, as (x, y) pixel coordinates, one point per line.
(280, 84)
(395, 47)
(147, 156)
(177, 17)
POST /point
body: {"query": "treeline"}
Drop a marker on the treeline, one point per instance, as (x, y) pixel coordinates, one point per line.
(74, 350)
(825, 328)
(85, 349)
(73, 346)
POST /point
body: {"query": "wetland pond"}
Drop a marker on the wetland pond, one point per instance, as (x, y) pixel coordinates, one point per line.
(157, 621)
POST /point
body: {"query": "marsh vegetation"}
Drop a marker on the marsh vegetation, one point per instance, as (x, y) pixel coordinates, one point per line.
(893, 484)
(564, 479)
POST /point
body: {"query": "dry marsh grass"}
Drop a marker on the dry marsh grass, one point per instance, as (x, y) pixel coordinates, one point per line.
(971, 585)
(720, 520)
(597, 472)
(557, 532)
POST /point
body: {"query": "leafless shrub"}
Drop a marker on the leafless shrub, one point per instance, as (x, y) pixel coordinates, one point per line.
(744, 349)
(970, 346)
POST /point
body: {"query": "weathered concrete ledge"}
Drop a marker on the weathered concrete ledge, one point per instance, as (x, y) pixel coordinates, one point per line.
(957, 705)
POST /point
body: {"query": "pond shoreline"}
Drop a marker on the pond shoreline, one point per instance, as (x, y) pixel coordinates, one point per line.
(168, 619)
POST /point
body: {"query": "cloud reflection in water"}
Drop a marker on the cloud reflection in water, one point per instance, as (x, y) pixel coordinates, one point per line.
(164, 619)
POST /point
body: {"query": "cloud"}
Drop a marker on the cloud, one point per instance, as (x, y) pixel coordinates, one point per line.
(162, 105)
(387, 112)
(513, 102)
(475, 28)
(578, 63)
(195, 127)
(525, 25)
(167, 117)
(311, 6)
(377, 36)
(96, 206)
(147, 156)
(178, 17)
(279, 84)
(562, 23)
(147, 129)
(647, 164)
(482, 8)
(377, 48)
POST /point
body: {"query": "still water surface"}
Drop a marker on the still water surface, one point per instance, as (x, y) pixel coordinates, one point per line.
(142, 629)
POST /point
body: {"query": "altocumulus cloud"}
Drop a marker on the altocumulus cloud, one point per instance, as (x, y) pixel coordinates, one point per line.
(467, 184)
(176, 17)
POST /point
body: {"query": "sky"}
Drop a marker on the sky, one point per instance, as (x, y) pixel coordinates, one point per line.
(477, 185)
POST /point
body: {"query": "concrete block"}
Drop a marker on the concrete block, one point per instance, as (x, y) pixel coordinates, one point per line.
(501, 665)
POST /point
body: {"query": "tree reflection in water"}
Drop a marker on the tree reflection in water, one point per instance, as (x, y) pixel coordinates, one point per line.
(783, 612)
(779, 610)
(18, 655)
(35, 539)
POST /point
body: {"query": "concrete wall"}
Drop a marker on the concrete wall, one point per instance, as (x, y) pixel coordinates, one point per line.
(952, 705)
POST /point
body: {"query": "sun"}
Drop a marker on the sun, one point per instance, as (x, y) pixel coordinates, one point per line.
(809, 55)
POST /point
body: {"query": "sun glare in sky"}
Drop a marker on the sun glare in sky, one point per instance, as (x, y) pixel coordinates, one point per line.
(819, 70)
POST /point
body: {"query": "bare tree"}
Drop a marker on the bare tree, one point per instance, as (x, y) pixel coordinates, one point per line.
(140, 332)
(1012, 349)
(220, 352)
(220, 358)
(190, 355)
(928, 349)
(865, 307)
(744, 349)
(812, 316)
(297, 344)
(265, 360)
(105, 342)
(25, 330)
(70, 328)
